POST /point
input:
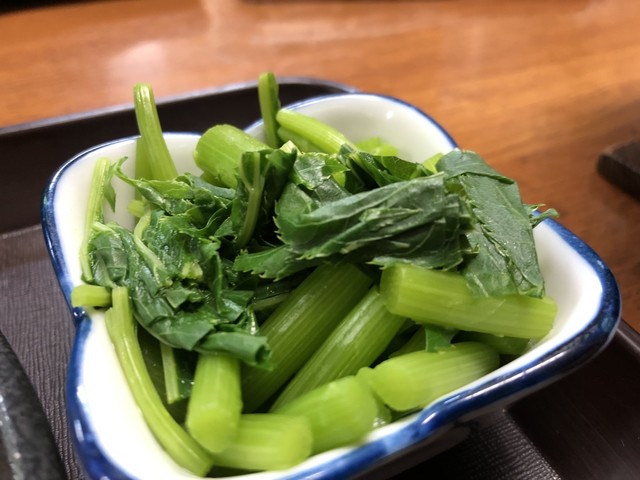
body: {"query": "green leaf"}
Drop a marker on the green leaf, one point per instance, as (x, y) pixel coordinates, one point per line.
(359, 220)
(384, 170)
(437, 337)
(505, 260)
(261, 178)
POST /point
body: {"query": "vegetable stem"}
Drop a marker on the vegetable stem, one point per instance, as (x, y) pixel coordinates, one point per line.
(214, 409)
(219, 151)
(300, 324)
(180, 446)
(443, 298)
(356, 342)
(84, 295)
(160, 162)
(323, 136)
(94, 212)
(339, 412)
(416, 379)
(269, 105)
(268, 442)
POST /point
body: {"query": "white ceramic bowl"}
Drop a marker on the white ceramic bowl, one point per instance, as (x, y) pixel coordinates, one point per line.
(110, 436)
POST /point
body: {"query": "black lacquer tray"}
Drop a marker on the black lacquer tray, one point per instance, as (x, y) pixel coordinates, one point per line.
(585, 426)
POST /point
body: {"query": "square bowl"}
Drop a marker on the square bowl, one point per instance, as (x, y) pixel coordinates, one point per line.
(109, 434)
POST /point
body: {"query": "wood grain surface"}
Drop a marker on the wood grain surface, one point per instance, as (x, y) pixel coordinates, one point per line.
(538, 87)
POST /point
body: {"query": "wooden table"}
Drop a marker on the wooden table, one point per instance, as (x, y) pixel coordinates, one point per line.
(538, 87)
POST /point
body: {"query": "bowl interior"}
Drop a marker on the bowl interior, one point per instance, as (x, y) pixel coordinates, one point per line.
(109, 431)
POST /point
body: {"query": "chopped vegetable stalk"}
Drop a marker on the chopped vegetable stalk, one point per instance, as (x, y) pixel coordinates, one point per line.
(90, 296)
(142, 167)
(502, 344)
(180, 446)
(323, 136)
(443, 298)
(269, 105)
(219, 151)
(268, 442)
(415, 343)
(416, 379)
(376, 146)
(299, 141)
(300, 325)
(174, 374)
(95, 211)
(355, 343)
(339, 412)
(214, 409)
(383, 413)
(160, 162)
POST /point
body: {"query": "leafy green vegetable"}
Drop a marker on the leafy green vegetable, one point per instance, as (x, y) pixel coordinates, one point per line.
(505, 259)
(121, 328)
(261, 178)
(179, 284)
(274, 246)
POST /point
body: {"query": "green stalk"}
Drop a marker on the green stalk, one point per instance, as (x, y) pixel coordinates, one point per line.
(301, 143)
(253, 182)
(84, 295)
(300, 324)
(339, 412)
(323, 136)
(94, 212)
(416, 343)
(267, 442)
(161, 164)
(172, 372)
(219, 151)
(355, 343)
(180, 446)
(269, 100)
(142, 167)
(443, 298)
(214, 409)
(376, 146)
(502, 344)
(416, 379)
(383, 413)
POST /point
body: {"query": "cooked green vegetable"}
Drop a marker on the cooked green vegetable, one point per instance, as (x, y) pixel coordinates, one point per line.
(505, 260)
(354, 343)
(444, 298)
(411, 381)
(92, 295)
(500, 343)
(300, 325)
(174, 439)
(213, 413)
(100, 192)
(319, 278)
(219, 151)
(268, 442)
(339, 412)
(261, 177)
(269, 100)
(324, 137)
(160, 163)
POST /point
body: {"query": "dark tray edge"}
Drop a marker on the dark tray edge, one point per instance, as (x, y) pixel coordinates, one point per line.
(168, 100)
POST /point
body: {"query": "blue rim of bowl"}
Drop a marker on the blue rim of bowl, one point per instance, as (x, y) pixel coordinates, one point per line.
(500, 391)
